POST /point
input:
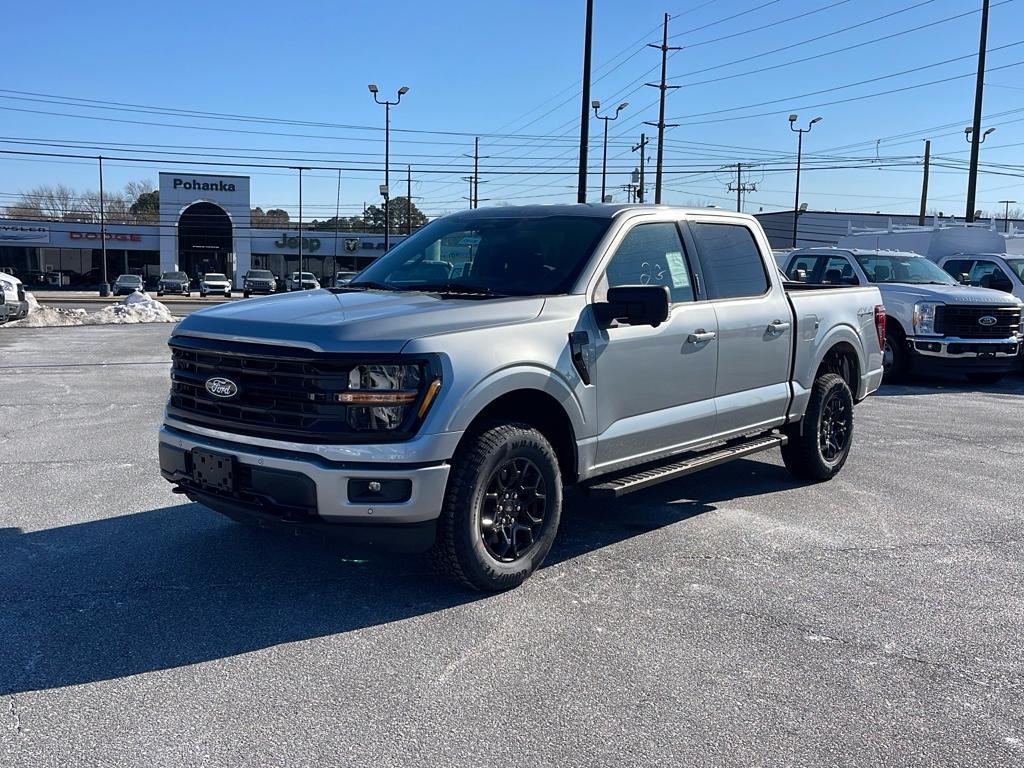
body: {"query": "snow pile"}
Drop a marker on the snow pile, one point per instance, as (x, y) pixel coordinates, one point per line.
(135, 308)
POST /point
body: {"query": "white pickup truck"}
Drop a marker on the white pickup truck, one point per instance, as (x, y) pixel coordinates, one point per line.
(446, 396)
(934, 324)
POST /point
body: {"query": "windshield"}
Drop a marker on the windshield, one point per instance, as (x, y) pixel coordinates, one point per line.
(1017, 266)
(214, 276)
(174, 276)
(346, 275)
(903, 268)
(305, 276)
(260, 274)
(129, 279)
(513, 256)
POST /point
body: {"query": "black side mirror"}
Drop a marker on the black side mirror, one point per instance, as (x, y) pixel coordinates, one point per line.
(634, 305)
(965, 278)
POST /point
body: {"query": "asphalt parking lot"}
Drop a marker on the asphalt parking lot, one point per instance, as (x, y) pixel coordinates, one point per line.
(733, 618)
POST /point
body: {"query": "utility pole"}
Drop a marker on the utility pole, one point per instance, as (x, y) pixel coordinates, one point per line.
(665, 48)
(408, 200)
(979, 92)
(337, 215)
(1006, 214)
(476, 171)
(642, 147)
(581, 191)
(300, 228)
(105, 285)
(924, 182)
(739, 187)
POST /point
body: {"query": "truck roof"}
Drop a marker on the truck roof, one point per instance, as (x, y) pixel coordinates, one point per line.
(590, 210)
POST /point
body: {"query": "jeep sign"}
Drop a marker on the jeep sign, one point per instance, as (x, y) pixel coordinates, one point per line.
(309, 244)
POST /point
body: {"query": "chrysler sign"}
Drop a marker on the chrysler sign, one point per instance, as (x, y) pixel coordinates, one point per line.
(27, 234)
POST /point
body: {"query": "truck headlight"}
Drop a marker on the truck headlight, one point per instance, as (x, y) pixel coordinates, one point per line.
(7, 286)
(924, 318)
(379, 396)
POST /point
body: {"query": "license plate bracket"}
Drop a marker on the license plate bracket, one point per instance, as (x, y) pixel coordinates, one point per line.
(215, 471)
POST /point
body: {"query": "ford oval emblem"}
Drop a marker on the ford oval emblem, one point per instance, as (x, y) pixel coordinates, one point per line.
(221, 387)
(987, 320)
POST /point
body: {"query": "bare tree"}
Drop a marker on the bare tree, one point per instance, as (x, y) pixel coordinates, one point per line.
(46, 202)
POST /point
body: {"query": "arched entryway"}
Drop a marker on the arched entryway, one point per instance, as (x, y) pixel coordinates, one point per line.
(204, 240)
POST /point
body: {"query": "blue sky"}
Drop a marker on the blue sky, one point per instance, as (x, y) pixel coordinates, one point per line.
(510, 72)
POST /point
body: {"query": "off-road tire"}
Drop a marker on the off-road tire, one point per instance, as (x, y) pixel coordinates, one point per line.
(803, 455)
(246, 294)
(459, 550)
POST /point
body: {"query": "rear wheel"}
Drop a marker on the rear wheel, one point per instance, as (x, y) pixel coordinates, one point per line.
(820, 443)
(985, 378)
(501, 509)
(246, 294)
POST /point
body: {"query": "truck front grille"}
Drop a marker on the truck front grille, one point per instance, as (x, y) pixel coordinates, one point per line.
(282, 393)
(970, 322)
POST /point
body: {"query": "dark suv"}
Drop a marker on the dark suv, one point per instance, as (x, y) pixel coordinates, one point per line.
(258, 281)
(174, 282)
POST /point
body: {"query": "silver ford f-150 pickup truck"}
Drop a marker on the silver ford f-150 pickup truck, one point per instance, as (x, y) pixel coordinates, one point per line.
(445, 397)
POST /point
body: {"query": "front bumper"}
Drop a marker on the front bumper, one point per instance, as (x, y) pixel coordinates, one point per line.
(301, 490)
(965, 355)
(268, 289)
(179, 289)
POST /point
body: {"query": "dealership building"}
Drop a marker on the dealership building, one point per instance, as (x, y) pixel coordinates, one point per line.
(203, 226)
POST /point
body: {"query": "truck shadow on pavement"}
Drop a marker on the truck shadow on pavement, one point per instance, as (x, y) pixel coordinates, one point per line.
(180, 585)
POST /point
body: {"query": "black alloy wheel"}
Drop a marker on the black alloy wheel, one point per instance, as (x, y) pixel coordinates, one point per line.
(515, 504)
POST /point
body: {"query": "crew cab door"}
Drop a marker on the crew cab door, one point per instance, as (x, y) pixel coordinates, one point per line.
(655, 387)
(755, 324)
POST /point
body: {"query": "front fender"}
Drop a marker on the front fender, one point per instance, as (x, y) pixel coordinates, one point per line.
(512, 379)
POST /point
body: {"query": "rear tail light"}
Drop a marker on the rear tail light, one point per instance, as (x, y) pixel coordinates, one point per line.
(880, 325)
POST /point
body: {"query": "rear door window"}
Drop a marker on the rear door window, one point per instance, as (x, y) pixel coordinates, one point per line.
(838, 271)
(730, 260)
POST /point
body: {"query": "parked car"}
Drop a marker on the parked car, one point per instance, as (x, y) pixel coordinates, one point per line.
(214, 282)
(307, 283)
(607, 347)
(258, 281)
(934, 323)
(127, 284)
(174, 282)
(343, 278)
(13, 302)
(998, 271)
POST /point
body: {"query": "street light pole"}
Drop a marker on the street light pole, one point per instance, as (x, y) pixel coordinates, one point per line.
(387, 156)
(972, 138)
(604, 155)
(799, 152)
(1006, 214)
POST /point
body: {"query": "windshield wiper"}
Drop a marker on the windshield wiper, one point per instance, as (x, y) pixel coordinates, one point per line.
(364, 285)
(455, 288)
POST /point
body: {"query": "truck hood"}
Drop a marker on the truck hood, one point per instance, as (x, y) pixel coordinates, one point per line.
(363, 321)
(949, 294)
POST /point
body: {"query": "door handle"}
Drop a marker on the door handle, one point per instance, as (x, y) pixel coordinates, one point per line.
(700, 336)
(777, 328)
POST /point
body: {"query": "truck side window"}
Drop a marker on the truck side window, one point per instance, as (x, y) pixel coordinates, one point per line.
(957, 267)
(987, 274)
(838, 271)
(806, 263)
(652, 254)
(731, 260)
